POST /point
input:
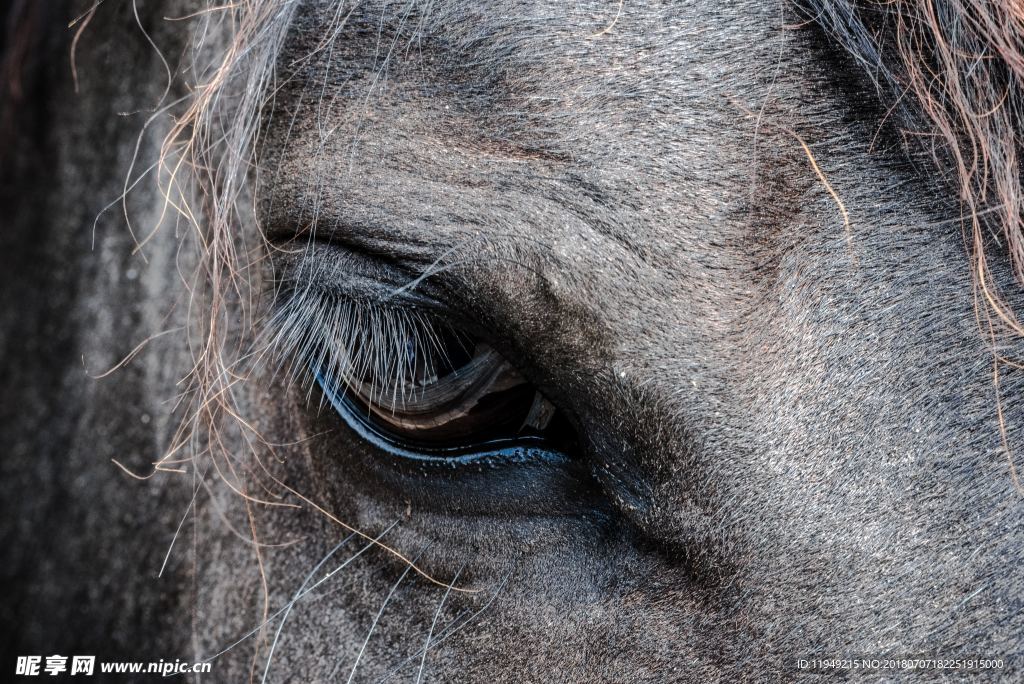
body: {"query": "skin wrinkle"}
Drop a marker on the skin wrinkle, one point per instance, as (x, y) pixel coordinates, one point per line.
(786, 453)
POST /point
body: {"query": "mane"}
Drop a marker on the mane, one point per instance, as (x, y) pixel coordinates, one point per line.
(207, 172)
(951, 72)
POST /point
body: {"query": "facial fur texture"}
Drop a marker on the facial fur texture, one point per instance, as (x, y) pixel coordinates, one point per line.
(692, 225)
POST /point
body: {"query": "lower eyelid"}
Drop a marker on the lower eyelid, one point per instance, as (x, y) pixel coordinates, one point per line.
(509, 478)
(510, 481)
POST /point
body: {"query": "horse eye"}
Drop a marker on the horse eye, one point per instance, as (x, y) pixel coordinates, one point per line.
(423, 389)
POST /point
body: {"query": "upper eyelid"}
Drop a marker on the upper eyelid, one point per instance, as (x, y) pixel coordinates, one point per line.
(335, 270)
(345, 269)
(305, 298)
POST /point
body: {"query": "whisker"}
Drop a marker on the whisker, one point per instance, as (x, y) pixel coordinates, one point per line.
(453, 628)
(430, 634)
(373, 625)
(369, 545)
(295, 597)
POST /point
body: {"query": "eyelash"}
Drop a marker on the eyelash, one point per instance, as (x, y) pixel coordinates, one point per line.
(413, 386)
(336, 340)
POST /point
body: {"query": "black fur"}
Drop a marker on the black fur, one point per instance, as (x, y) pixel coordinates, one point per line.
(790, 424)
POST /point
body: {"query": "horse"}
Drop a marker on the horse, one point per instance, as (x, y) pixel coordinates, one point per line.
(515, 340)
